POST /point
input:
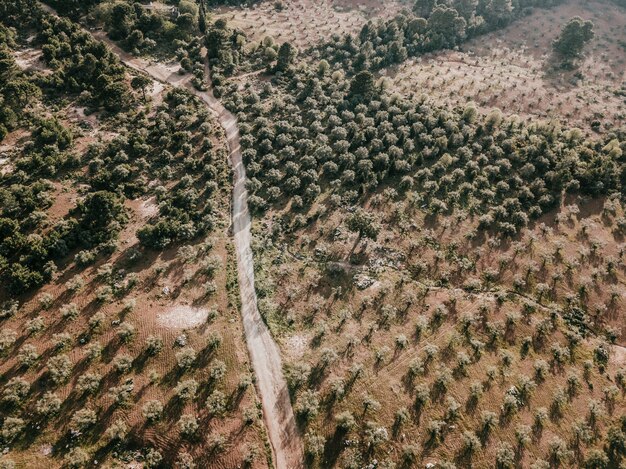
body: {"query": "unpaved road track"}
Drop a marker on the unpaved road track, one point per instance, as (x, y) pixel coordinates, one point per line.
(264, 354)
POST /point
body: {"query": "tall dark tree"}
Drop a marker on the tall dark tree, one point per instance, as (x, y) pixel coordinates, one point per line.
(286, 55)
(362, 86)
(140, 83)
(423, 8)
(364, 224)
(574, 36)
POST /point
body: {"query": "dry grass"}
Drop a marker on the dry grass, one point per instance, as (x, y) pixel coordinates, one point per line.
(512, 69)
(308, 302)
(306, 22)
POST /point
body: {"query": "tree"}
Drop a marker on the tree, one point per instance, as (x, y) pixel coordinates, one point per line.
(445, 27)
(286, 55)
(596, 459)
(362, 87)
(117, 431)
(364, 224)
(83, 419)
(76, 458)
(140, 82)
(202, 23)
(152, 410)
(59, 368)
(188, 425)
(116, 96)
(100, 217)
(423, 8)
(15, 391)
(122, 20)
(49, 404)
(11, 429)
(499, 13)
(571, 42)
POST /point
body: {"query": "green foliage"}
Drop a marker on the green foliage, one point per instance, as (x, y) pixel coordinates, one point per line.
(100, 218)
(505, 172)
(574, 36)
(432, 25)
(83, 65)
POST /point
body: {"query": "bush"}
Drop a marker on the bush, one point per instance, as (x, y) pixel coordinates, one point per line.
(83, 419)
(59, 368)
(77, 458)
(186, 390)
(15, 391)
(152, 410)
(12, 427)
(185, 358)
(49, 404)
(188, 425)
(216, 404)
(118, 431)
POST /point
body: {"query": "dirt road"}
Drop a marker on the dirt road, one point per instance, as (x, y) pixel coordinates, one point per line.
(264, 354)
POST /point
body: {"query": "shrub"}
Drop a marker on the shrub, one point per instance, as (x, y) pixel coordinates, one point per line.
(88, 383)
(49, 404)
(185, 358)
(59, 368)
(188, 425)
(216, 404)
(186, 390)
(118, 431)
(15, 391)
(83, 419)
(12, 427)
(152, 410)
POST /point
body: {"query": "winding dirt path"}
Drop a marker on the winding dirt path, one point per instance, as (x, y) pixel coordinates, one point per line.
(264, 353)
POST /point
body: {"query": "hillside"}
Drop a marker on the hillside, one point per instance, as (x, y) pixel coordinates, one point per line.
(298, 234)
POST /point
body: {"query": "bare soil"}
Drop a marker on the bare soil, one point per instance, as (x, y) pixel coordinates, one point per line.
(306, 22)
(514, 70)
